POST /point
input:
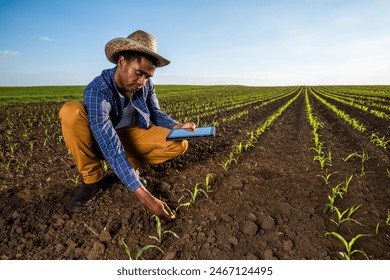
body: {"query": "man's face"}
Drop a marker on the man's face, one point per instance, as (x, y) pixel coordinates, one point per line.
(132, 75)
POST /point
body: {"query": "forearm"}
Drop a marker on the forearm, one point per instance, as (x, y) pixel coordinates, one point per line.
(144, 196)
(162, 119)
(154, 205)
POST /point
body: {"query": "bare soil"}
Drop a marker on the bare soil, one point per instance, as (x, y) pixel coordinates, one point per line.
(268, 205)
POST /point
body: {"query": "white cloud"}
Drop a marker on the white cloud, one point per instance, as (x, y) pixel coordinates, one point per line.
(46, 39)
(6, 52)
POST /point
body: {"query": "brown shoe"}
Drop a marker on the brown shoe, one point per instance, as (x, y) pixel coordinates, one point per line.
(85, 196)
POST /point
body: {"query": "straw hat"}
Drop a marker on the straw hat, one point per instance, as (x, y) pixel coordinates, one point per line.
(139, 41)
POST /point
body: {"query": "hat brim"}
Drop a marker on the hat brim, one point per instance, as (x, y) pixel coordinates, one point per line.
(117, 45)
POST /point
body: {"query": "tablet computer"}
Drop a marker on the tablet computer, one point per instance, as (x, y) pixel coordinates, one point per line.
(200, 132)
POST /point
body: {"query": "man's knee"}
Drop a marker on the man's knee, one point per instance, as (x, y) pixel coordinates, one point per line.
(183, 146)
(71, 111)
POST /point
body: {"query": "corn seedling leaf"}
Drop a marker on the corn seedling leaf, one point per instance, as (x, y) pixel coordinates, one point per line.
(140, 251)
(377, 228)
(187, 204)
(348, 245)
(127, 250)
(143, 249)
(350, 156)
(171, 232)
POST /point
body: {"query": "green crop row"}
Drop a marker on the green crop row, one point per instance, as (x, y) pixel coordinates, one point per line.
(362, 91)
(352, 102)
(338, 191)
(375, 138)
(367, 100)
(254, 135)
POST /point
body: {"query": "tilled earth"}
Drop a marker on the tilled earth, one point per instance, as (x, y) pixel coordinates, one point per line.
(268, 205)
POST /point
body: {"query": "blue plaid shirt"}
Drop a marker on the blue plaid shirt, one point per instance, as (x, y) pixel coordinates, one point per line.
(105, 109)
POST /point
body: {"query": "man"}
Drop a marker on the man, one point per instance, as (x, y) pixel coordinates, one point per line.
(120, 121)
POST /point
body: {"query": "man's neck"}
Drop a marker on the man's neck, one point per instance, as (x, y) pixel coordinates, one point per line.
(127, 96)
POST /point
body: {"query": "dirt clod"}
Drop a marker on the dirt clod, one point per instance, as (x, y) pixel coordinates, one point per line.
(249, 228)
(268, 223)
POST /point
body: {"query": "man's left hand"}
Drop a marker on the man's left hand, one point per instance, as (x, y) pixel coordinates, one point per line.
(191, 126)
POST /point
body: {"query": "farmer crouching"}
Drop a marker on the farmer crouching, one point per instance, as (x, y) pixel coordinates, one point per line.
(120, 121)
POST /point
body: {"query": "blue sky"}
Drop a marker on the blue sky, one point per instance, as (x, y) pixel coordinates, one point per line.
(248, 42)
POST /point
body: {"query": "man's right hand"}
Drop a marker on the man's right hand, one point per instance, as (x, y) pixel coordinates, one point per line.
(154, 205)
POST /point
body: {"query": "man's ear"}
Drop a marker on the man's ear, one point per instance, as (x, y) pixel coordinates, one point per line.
(121, 61)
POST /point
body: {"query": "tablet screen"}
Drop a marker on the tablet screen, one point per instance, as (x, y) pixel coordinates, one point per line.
(200, 132)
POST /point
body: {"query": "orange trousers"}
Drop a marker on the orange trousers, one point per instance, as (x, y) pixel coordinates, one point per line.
(142, 146)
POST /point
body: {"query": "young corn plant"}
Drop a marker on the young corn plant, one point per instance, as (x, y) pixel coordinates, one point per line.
(316, 137)
(232, 158)
(75, 180)
(7, 166)
(160, 232)
(225, 165)
(330, 206)
(197, 121)
(348, 245)
(252, 138)
(344, 189)
(140, 251)
(207, 181)
(196, 191)
(45, 141)
(248, 145)
(324, 159)
(12, 148)
(318, 149)
(364, 157)
(387, 221)
(379, 141)
(348, 212)
(25, 135)
(24, 164)
(239, 148)
(31, 143)
(335, 193)
(186, 204)
(327, 176)
(338, 190)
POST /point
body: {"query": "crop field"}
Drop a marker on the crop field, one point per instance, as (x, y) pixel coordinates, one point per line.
(294, 173)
